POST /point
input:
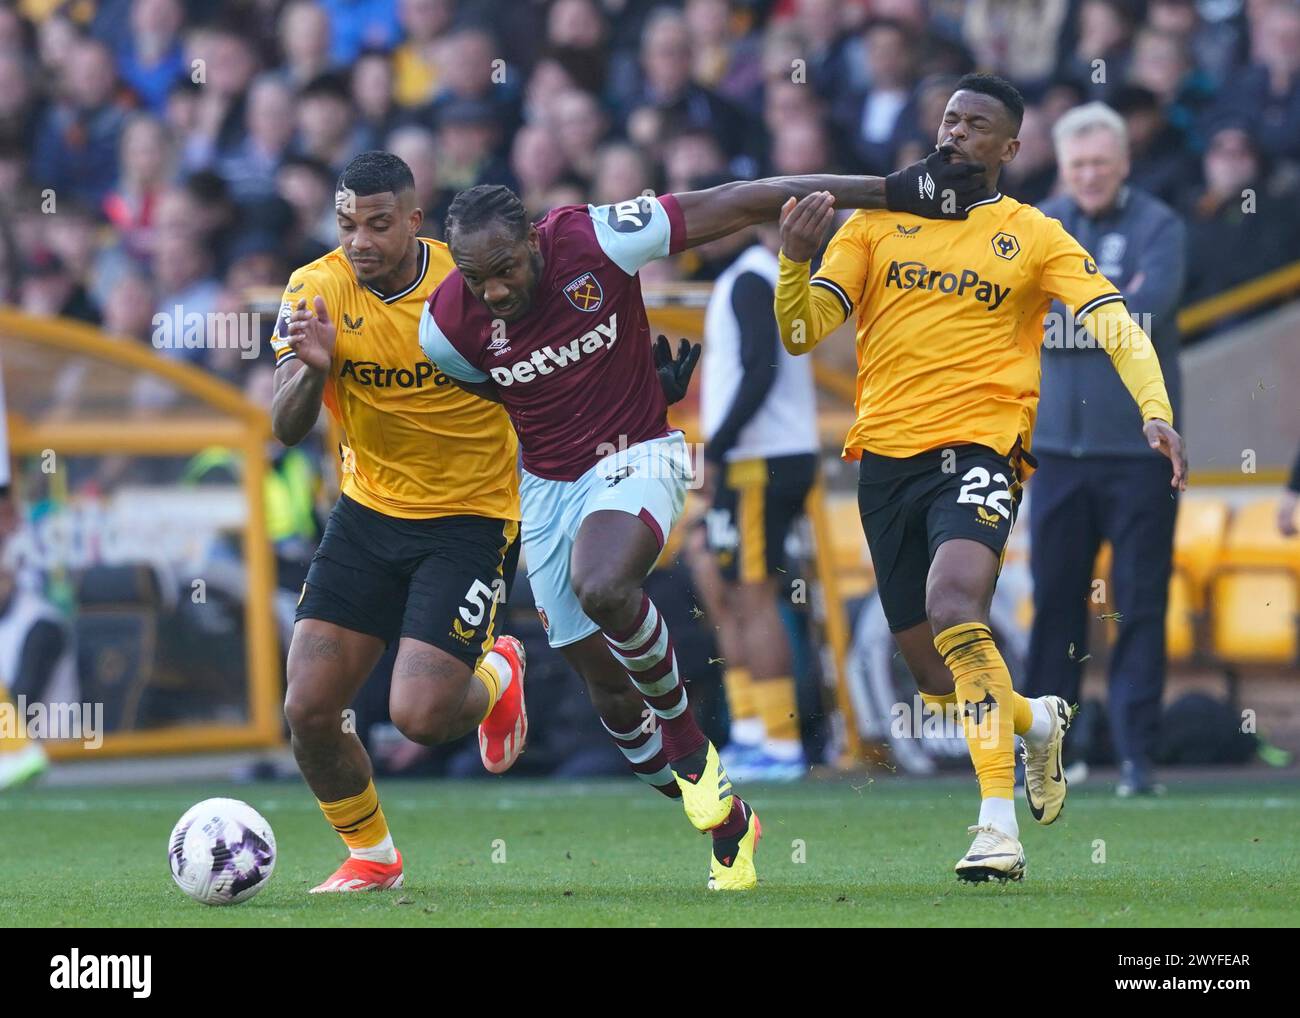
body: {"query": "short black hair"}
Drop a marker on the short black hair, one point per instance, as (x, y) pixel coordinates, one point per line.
(376, 172)
(478, 206)
(1000, 89)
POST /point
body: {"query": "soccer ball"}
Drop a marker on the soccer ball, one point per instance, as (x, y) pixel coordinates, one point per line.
(222, 852)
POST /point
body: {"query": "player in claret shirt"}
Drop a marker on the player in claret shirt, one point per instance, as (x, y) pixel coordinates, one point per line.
(548, 320)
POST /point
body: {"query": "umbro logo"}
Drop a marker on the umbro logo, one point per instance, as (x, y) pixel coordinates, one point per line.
(499, 345)
(925, 185)
(352, 325)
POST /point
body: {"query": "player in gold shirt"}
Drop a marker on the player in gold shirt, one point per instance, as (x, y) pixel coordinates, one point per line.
(421, 546)
(950, 319)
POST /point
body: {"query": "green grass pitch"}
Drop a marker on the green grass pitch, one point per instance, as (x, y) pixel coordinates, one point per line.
(834, 853)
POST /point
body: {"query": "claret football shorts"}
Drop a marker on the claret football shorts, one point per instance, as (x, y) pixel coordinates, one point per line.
(647, 480)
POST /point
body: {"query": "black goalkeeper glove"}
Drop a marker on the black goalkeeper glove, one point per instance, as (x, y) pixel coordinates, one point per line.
(675, 374)
(936, 187)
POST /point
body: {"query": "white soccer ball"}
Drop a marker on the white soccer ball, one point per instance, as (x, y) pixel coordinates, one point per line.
(222, 852)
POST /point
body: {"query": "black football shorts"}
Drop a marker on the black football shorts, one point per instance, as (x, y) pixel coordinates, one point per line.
(910, 506)
(439, 580)
(755, 504)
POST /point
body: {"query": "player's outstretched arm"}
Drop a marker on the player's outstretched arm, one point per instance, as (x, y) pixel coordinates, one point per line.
(1134, 357)
(935, 188)
(805, 314)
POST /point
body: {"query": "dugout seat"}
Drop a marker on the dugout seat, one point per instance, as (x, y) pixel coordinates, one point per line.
(1254, 596)
(1253, 539)
(1199, 536)
(1254, 616)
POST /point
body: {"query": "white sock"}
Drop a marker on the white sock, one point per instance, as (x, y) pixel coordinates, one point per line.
(785, 750)
(1001, 813)
(499, 664)
(1041, 727)
(384, 852)
(747, 731)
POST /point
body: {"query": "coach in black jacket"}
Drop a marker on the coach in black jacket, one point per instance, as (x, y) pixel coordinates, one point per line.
(1098, 480)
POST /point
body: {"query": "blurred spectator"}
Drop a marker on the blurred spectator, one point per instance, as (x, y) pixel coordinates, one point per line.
(689, 155)
(222, 126)
(308, 187)
(356, 25)
(130, 307)
(182, 269)
(76, 146)
(49, 289)
(537, 162)
(725, 59)
(666, 86)
(152, 59)
(621, 173)
(1015, 38)
(145, 165)
(1157, 149)
(250, 166)
(1103, 53)
(875, 119)
(472, 68)
(1236, 229)
(1268, 91)
(1030, 177)
(415, 62)
(17, 103)
(577, 36)
(372, 95)
(801, 147)
(328, 128)
(224, 65)
(467, 139)
(578, 124)
(931, 100)
(1162, 64)
(418, 148)
(304, 42)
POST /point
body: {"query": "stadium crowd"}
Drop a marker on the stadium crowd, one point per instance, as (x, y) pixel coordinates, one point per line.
(163, 152)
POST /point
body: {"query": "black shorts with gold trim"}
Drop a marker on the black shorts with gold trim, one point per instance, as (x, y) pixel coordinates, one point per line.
(754, 506)
(912, 505)
(441, 580)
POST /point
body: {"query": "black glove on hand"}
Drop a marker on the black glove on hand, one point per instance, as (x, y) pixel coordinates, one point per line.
(936, 187)
(675, 374)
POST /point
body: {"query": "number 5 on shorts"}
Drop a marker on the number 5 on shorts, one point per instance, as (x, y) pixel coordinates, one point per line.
(476, 603)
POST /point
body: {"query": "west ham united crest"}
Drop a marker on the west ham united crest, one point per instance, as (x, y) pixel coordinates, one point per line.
(584, 293)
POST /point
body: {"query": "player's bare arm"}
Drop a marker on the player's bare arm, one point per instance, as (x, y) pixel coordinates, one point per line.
(300, 383)
(724, 209)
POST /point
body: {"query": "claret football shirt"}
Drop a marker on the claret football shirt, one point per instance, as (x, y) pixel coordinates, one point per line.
(577, 372)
